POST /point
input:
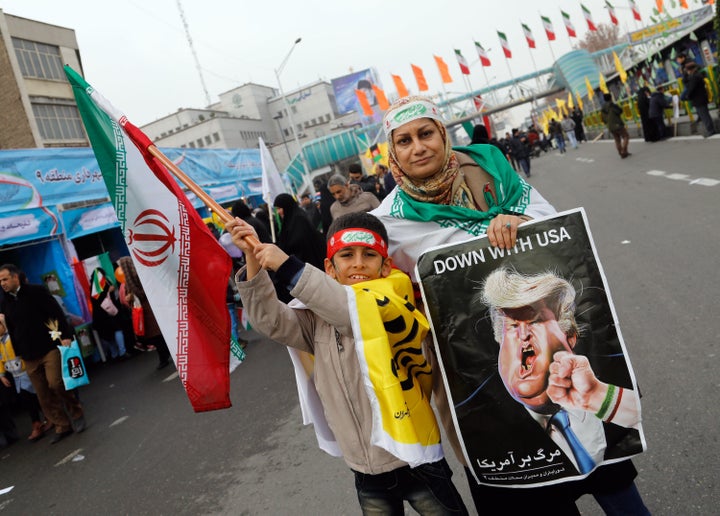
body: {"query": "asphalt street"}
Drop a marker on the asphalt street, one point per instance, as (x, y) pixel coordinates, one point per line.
(654, 219)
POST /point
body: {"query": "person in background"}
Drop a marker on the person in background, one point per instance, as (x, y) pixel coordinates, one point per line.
(349, 198)
(385, 178)
(696, 93)
(643, 103)
(577, 117)
(153, 336)
(568, 127)
(110, 316)
(14, 377)
(556, 131)
(356, 176)
(37, 325)
(520, 151)
(297, 236)
(611, 114)
(313, 214)
(658, 103)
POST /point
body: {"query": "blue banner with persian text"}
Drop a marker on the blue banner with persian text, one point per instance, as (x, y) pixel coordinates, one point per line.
(34, 181)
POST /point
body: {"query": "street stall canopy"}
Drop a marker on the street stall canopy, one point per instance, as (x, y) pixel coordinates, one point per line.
(46, 192)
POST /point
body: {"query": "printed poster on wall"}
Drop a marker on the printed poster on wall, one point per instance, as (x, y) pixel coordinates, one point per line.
(537, 373)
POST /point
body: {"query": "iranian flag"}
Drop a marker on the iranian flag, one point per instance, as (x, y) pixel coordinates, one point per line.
(183, 269)
(547, 24)
(611, 12)
(568, 24)
(635, 10)
(504, 44)
(588, 17)
(464, 68)
(528, 36)
(482, 54)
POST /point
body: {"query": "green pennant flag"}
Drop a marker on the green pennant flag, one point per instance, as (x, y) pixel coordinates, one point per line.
(691, 54)
(693, 36)
(673, 53)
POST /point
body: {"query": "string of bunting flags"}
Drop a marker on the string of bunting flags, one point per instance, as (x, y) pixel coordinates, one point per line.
(484, 60)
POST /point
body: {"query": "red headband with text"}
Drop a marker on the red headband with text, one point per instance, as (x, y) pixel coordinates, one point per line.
(356, 236)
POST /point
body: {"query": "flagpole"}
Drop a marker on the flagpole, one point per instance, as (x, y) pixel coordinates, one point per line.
(211, 203)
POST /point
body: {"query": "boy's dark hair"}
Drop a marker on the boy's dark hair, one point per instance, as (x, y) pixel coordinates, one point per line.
(355, 168)
(303, 196)
(360, 219)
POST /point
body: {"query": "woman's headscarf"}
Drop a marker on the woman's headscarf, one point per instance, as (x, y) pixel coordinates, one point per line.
(436, 189)
(297, 236)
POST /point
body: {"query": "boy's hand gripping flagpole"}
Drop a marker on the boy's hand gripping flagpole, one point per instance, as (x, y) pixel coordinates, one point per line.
(201, 194)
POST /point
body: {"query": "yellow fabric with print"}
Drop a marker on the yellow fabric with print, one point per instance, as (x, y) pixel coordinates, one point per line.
(389, 332)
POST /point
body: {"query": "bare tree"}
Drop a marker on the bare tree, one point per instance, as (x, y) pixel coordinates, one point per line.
(606, 35)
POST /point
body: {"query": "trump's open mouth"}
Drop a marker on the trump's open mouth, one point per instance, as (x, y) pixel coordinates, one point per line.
(527, 358)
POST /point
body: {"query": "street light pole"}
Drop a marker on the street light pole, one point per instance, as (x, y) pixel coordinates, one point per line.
(278, 71)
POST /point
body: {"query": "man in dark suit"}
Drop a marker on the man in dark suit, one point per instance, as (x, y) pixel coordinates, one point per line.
(37, 325)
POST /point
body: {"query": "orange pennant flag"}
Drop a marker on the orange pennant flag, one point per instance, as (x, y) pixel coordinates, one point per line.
(382, 100)
(659, 4)
(364, 103)
(684, 4)
(444, 72)
(419, 77)
(400, 86)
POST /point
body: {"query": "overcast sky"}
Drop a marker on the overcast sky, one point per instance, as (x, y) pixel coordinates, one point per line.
(137, 55)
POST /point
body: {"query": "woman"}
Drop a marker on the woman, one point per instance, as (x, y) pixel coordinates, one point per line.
(643, 104)
(450, 195)
(134, 289)
(297, 236)
(109, 316)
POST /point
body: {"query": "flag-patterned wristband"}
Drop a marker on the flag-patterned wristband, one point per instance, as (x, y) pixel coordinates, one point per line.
(607, 402)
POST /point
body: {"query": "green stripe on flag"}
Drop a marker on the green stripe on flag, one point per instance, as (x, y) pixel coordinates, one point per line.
(105, 136)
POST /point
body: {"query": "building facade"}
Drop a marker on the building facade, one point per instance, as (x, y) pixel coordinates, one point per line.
(36, 99)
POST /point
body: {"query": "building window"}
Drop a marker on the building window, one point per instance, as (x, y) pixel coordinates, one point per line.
(287, 133)
(192, 145)
(199, 143)
(38, 60)
(208, 140)
(216, 137)
(58, 121)
(313, 121)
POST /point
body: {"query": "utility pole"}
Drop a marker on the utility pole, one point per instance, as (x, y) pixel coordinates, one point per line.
(192, 49)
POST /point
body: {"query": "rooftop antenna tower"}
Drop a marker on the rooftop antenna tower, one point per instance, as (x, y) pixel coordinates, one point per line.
(192, 49)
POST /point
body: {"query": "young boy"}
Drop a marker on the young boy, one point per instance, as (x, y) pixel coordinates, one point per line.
(369, 371)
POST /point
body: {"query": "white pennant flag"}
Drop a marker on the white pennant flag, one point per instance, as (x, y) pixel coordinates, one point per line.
(272, 183)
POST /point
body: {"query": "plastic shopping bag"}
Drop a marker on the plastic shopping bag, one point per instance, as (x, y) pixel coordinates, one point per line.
(72, 365)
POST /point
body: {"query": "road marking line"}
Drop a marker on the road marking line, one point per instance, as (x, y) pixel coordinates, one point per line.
(171, 377)
(702, 181)
(118, 421)
(69, 457)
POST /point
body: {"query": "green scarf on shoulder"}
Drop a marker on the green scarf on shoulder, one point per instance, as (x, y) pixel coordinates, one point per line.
(512, 191)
